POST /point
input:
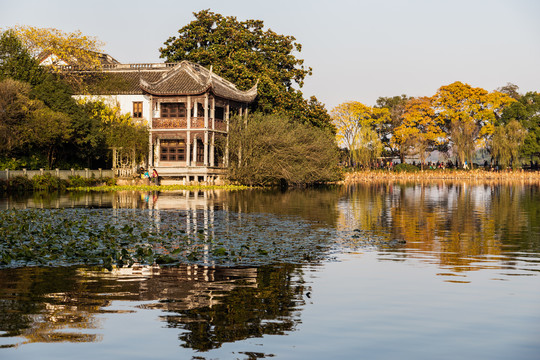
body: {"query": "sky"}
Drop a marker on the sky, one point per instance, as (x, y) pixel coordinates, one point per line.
(359, 50)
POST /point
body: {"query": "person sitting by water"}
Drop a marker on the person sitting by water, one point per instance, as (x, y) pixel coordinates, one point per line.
(155, 177)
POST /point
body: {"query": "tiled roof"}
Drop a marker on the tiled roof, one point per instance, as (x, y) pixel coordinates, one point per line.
(184, 78)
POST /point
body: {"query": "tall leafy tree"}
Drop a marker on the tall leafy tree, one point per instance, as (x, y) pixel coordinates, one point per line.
(28, 125)
(16, 62)
(396, 107)
(119, 130)
(507, 140)
(421, 131)
(356, 128)
(527, 111)
(470, 115)
(243, 52)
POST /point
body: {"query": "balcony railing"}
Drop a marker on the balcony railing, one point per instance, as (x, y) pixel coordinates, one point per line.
(198, 122)
(169, 123)
(181, 123)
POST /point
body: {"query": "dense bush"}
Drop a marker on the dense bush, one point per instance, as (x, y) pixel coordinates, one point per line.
(3, 186)
(404, 167)
(20, 183)
(78, 181)
(48, 182)
(272, 149)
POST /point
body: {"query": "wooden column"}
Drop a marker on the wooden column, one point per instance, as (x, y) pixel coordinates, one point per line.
(212, 149)
(188, 140)
(226, 159)
(188, 148)
(150, 151)
(240, 113)
(158, 151)
(205, 139)
(195, 150)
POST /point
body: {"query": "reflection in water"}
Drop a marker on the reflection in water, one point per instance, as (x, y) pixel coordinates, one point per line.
(212, 305)
(462, 225)
(465, 227)
(447, 233)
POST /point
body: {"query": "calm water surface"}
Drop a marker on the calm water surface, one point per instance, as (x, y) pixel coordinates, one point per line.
(432, 271)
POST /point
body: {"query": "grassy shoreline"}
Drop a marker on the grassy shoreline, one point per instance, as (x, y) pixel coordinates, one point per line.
(477, 175)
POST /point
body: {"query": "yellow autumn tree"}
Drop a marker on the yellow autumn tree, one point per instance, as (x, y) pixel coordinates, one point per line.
(61, 48)
(469, 115)
(356, 126)
(421, 130)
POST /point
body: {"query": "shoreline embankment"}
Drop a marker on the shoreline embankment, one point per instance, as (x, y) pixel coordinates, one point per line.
(366, 176)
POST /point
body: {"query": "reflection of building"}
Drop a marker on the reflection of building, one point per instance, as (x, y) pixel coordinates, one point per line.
(187, 108)
(76, 296)
(184, 286)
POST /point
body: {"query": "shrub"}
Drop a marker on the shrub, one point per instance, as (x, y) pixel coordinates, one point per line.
(110, 181)
(272, 149)
(20, 183)
(405, 168)
(79, 181)
(48, 182)
(3, 186)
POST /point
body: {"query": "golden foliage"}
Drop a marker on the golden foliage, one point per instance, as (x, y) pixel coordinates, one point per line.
(61, 48)
(469, 114)
(420, 130)
(356, 126)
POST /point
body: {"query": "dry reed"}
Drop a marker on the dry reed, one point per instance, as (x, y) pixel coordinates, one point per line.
(476, 176)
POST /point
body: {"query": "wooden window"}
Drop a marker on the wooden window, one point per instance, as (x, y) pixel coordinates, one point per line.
(137, 109)
(172, 150)
(173, 110)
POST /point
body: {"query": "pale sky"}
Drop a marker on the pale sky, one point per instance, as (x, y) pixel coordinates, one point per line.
(359, 50)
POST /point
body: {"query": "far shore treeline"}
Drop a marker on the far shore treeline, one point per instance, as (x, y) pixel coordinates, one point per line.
(286, 139)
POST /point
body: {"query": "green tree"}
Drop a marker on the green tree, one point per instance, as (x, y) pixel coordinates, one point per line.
(119, 130)
(272, 149)
(243, 52)
(506, 143)
(27, 125)
(48, 131)
(16, 62)
(527, 111)
(15, 108)
(396, 107)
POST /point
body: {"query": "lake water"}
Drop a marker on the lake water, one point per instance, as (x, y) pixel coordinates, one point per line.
(376, 271)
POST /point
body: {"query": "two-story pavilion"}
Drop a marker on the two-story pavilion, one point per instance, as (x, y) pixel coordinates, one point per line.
(187, 108)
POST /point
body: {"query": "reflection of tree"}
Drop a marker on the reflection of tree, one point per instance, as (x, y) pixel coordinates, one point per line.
(457, 222)
(39, 302)
(366, 207)
(271, 308)
(216, 305)
(319, 205)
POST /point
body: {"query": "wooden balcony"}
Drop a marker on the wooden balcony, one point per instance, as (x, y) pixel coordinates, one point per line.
(169, 123)
(181, 123)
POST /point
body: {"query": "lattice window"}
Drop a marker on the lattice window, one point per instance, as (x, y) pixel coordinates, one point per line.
(172, 150)
(173, 110)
